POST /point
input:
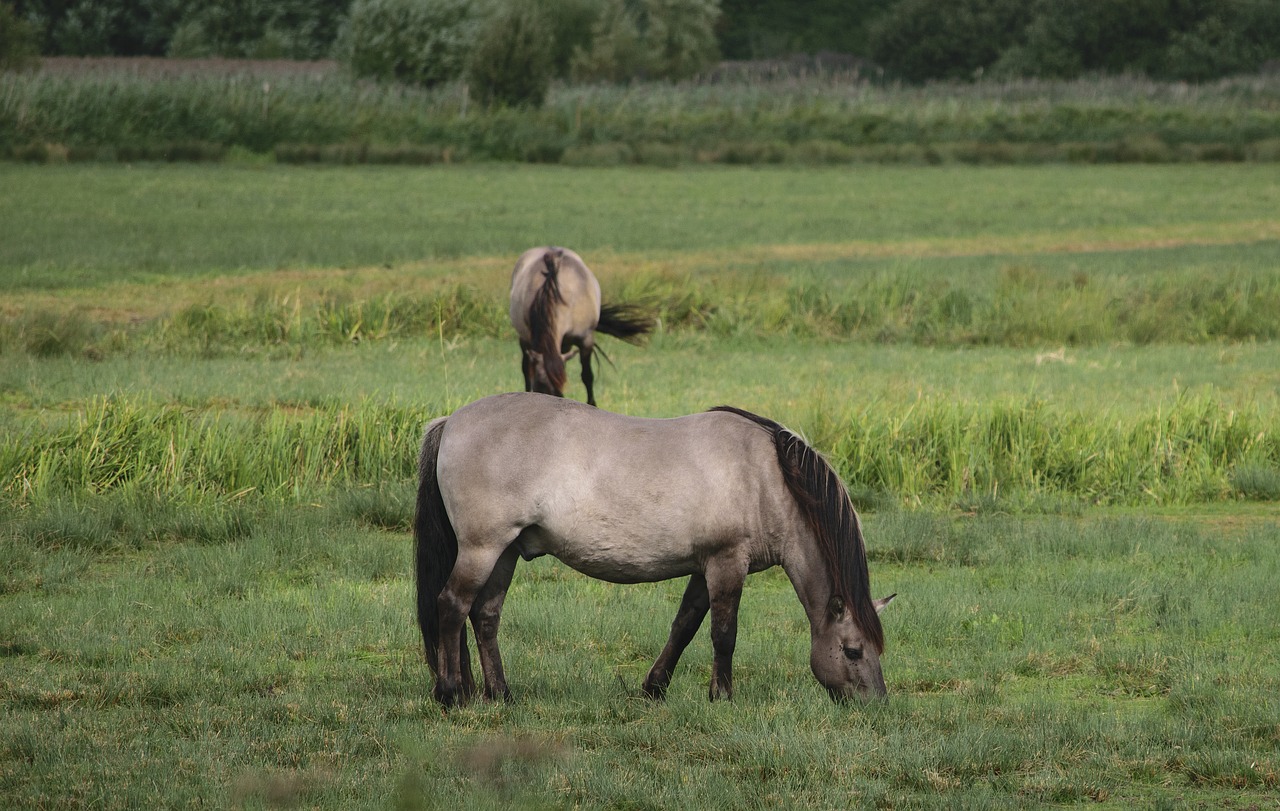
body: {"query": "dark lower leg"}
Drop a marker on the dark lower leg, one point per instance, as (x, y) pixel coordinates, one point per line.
(588, 377)
(485, 616)
(693, 608)
(724, 638)
(524, 365)
(451, 687)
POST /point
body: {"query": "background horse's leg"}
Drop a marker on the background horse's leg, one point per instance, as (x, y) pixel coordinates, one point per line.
(724, 588)
(485, 615)
(525, 346)
(588, 377)
(693, 608)
(454, 682)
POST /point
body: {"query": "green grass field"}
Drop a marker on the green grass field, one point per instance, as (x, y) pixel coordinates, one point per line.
(1053, 391)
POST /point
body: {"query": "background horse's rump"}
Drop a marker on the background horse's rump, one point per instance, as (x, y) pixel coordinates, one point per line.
(556, 310)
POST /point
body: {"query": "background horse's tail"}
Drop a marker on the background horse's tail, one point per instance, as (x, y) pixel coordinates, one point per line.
(542, 320)
(437, 543)
(624, 321)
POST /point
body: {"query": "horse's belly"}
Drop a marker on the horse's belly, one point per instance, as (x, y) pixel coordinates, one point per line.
(617, 560)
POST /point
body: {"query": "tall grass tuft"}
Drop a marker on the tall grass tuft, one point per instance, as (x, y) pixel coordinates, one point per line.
(1001, 455)
(1021, 304)
(211, 329)
(171, 452)
(1019, 452)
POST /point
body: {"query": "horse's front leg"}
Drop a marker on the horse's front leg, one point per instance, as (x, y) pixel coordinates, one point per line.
(485, 616)
(693, 608)
(724, 589)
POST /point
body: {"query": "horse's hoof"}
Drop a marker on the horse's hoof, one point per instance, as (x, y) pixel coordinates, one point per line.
(447, 698)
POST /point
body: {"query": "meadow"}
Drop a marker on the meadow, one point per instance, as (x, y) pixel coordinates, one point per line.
(1052, 391)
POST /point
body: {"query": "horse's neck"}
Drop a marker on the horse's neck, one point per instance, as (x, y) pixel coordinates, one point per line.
(809, 574)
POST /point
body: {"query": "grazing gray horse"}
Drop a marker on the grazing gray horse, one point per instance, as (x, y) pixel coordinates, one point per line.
(712, 496)
(556, 310)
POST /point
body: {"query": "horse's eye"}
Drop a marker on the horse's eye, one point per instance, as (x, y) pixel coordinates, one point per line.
(853, 654)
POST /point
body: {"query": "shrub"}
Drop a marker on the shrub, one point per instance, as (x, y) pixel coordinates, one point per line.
(1236, 36)
(423, 42)
(18, 48)
(1256, 482)
(920, 39)
(570, 22)
(511, 63)
(664, 39)
(680, 36)
(616, 52)
(283, 29)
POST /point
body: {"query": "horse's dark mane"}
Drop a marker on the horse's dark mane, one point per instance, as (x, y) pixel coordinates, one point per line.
(542, 320)
(826, 507)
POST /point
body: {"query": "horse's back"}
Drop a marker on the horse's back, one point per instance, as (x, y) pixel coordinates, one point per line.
(579, 290)
(617, 497)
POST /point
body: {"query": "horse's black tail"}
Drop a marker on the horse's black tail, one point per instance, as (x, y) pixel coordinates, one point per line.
(624, 321)
(437, 543)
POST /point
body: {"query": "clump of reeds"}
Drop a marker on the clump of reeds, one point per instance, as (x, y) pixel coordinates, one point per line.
(1020, 305)
(1010, 453)
(208, 112)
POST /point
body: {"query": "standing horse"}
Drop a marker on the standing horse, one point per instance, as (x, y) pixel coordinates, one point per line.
(713, 496)
(556, 310)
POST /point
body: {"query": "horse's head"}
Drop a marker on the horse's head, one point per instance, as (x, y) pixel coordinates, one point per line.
(548, 377)
(842, 658)
(539, 380)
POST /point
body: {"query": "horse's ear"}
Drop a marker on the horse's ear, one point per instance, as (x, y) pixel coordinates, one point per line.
(883, 601)
(836, 607)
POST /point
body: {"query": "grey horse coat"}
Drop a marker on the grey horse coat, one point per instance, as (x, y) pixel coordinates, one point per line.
(711, 496)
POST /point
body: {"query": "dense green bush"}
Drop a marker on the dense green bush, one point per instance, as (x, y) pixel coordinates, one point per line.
(511, 62)
(658, 39)
(101, 27)
(768, 29)
(422, 42)
(1236, 36)
(922, 39)
(294, 29)
(281, 29)
(623, 40)
(17, 40)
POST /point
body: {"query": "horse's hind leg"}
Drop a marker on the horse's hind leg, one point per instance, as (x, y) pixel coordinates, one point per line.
(588, 377)
(693, 608)
(485, 616)
(454, 682)
(525, 346)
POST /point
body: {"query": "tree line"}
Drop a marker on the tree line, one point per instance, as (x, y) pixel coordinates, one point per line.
(511, 49)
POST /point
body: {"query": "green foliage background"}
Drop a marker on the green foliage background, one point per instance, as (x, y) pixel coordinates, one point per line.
(913, 40)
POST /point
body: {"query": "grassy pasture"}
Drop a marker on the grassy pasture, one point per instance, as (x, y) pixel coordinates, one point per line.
(207, 485)
(154, 223)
